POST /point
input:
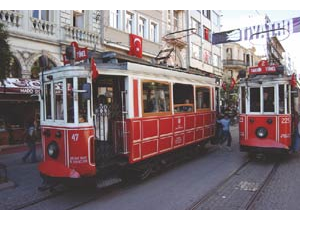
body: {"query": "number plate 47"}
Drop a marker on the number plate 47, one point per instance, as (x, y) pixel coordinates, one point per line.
(75, 137)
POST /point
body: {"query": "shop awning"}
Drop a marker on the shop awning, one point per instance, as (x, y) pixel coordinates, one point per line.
(20, 86)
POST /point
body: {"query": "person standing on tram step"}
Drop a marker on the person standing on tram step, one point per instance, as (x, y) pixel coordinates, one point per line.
(102, 119)
(30, 138)
(226, 135)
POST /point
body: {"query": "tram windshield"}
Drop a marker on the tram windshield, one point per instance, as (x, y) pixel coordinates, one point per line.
(265, 99)
(64, 101)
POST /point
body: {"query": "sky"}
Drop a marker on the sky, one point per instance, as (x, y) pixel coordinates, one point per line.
(234, 19)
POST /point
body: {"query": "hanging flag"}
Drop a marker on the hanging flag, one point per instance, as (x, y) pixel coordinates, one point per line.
(293, 80)
(95, 73)
(135, 45)
(224, 86)
(233, 83)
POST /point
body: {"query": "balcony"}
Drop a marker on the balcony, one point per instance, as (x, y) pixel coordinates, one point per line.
(11, 18)
(233, 62)
(43, 26)
(81, 35)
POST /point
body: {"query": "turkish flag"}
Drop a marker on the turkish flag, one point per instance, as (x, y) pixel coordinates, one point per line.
(293, 81)
(135, 45)
(232, 84)
(95, 73)
(224, 86)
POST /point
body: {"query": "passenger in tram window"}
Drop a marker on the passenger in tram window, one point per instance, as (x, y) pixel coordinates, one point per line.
(187, 107)
(268, 103)
(152, 102)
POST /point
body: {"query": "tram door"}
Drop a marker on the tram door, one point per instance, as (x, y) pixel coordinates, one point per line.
(108, 117)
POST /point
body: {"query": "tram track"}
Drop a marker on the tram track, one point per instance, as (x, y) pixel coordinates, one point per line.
(239, 190)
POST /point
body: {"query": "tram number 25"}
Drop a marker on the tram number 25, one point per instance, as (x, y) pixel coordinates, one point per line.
(75, 136)
(285, 120)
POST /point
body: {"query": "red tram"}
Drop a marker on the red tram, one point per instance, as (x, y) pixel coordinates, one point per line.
(267, 110)
(128, 117)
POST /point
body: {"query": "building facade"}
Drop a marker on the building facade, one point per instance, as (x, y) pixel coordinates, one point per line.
(236, 58)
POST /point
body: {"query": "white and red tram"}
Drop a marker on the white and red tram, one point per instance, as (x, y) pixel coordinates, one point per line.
(130, 114)
(266, 110)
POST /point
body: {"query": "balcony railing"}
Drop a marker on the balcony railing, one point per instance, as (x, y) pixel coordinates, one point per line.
(234, 62)
(9, 17)
(43, 26)
(79, 34)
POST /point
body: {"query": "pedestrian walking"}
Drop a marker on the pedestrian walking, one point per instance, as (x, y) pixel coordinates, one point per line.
(30, 139)
(225, 133)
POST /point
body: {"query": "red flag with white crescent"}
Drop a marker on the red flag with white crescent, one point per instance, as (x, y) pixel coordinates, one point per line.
(232, 84)
(293, 81)
(95, 73)
(135, 45)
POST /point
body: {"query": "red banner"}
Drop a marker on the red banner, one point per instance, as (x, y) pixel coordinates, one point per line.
(135, 45)
(81, 53)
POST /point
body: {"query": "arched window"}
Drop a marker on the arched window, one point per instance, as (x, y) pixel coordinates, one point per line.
(35, 69)
(15, 68)
(229, 54)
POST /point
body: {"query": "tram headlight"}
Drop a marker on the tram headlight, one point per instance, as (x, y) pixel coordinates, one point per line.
(261, 132)
(53, 150)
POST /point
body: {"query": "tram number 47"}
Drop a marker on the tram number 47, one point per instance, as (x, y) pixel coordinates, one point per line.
(75, 136)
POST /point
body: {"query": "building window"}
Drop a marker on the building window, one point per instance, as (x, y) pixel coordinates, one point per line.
(41, 14)
(175, 20)
(114, 18)
(207, 36)
(207, 13)
(216, 60)
(229, 54)
(129, 22)
(195, 24)
(215, 18)
(78, 18)
(142, 27)
(153, 32)
(156, 97)
(196, 51)
(207, 58)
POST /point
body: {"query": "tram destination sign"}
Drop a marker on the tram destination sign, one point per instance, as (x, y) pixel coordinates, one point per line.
(267, 30)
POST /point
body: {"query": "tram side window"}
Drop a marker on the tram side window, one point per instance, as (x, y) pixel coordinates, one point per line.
(82, 102)
(48, 102)
(203, 97)
(255, 100)
(243, 96)
(183, 96)
(268, 99)
(281, 96)
(58, 89)
(156, 97)
(69, 99)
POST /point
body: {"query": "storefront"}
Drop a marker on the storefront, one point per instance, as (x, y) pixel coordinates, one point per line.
(18, 105)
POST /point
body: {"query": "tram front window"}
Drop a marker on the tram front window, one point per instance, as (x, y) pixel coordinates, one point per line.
(48, 101)
(281, 96)
(58, 89)
(255, 100)
(69, 99)
(82, 102)
(268, 99)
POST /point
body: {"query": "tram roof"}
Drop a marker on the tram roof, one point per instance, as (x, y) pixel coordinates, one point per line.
(267, 78)
(129, 68)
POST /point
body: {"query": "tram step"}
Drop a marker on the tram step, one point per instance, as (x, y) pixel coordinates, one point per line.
(102, 183)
